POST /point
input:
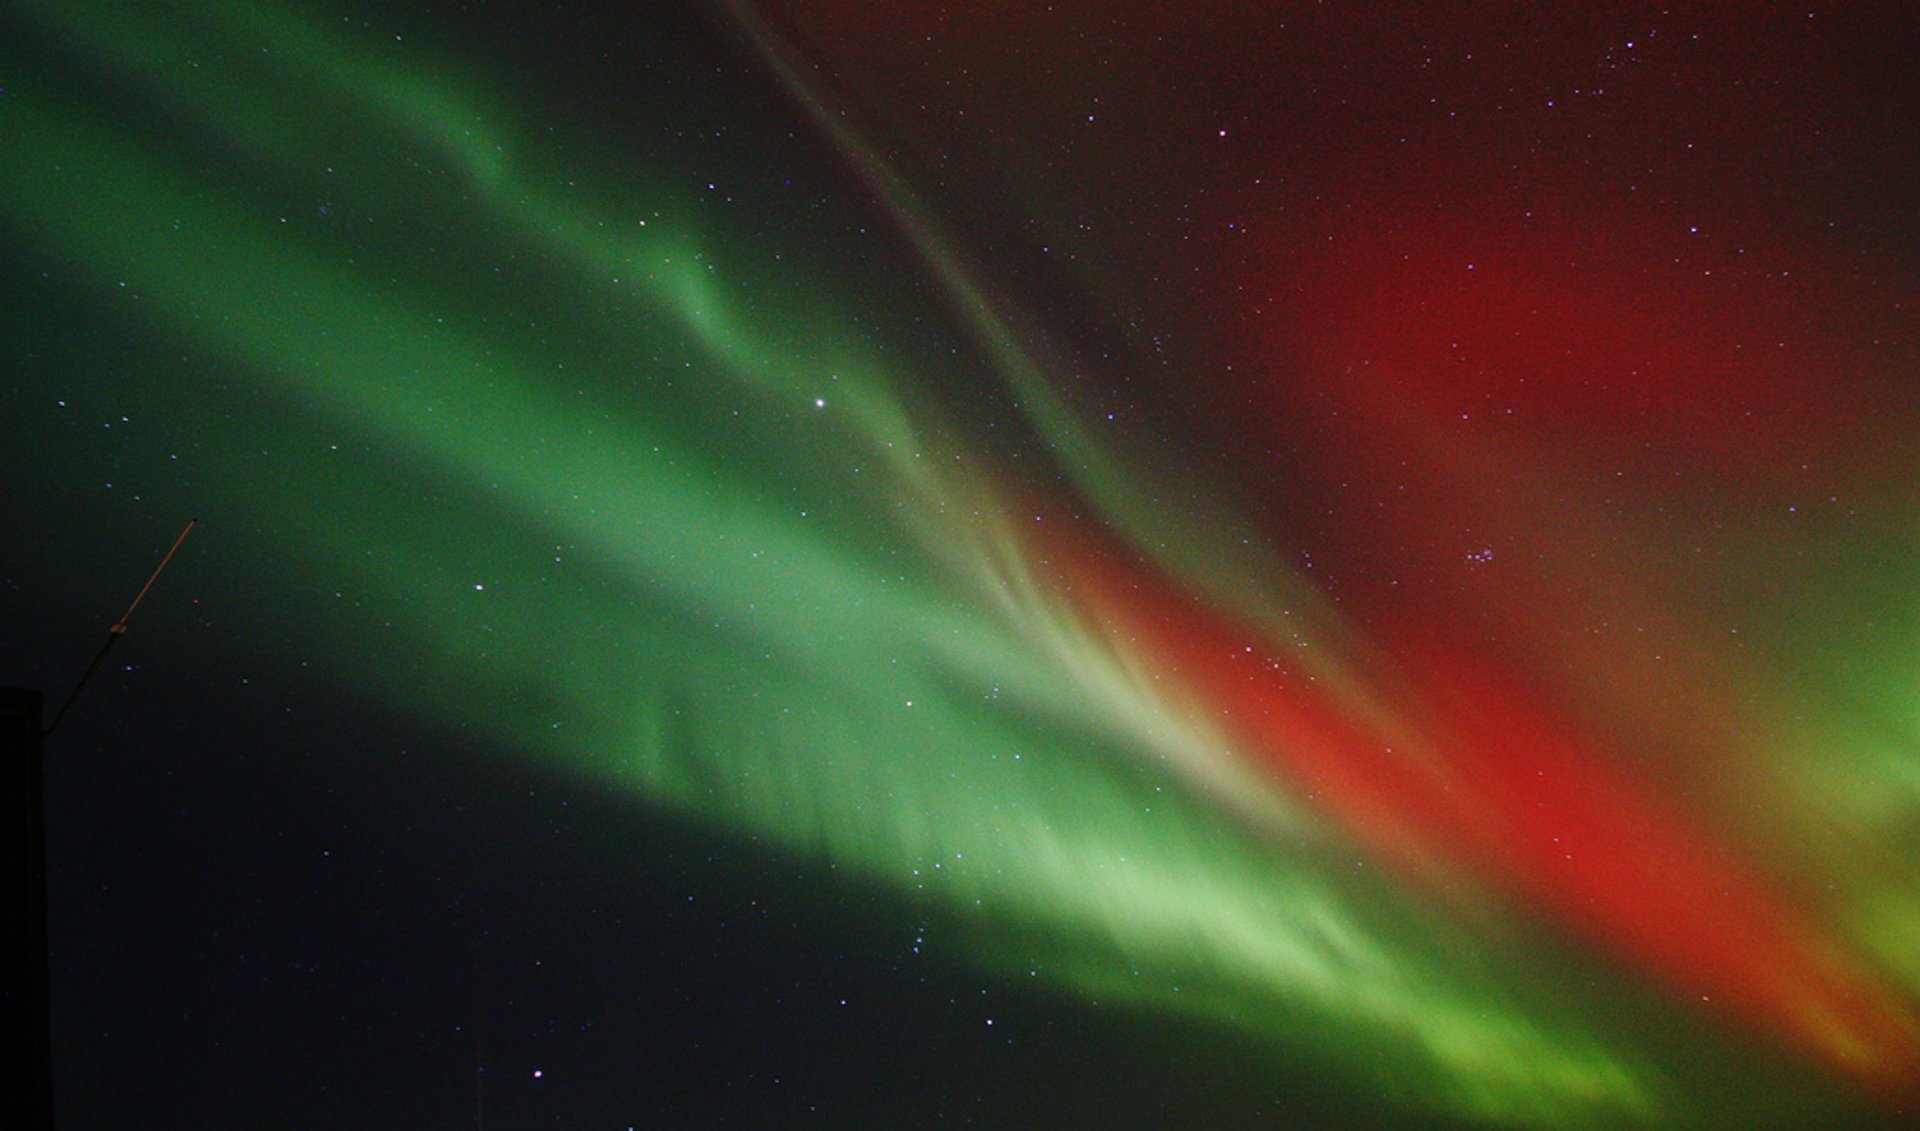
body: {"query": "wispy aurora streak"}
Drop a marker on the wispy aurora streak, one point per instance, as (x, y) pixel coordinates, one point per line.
(741, 555)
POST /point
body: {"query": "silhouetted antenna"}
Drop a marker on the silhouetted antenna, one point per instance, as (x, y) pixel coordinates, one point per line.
(119, 628)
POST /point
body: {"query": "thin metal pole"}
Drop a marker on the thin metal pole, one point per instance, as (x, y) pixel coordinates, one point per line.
(119, 628)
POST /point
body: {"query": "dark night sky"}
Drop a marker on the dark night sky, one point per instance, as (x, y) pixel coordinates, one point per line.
(852, 565)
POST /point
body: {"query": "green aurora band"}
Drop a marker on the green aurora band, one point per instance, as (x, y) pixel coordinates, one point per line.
(618, 459)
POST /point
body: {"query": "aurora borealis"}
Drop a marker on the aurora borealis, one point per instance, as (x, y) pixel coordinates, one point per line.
(1220, 565)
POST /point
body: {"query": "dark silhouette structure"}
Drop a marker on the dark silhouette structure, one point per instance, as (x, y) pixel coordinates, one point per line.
(24, 997)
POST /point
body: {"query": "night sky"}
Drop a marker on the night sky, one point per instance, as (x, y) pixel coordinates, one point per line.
(847, 564)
